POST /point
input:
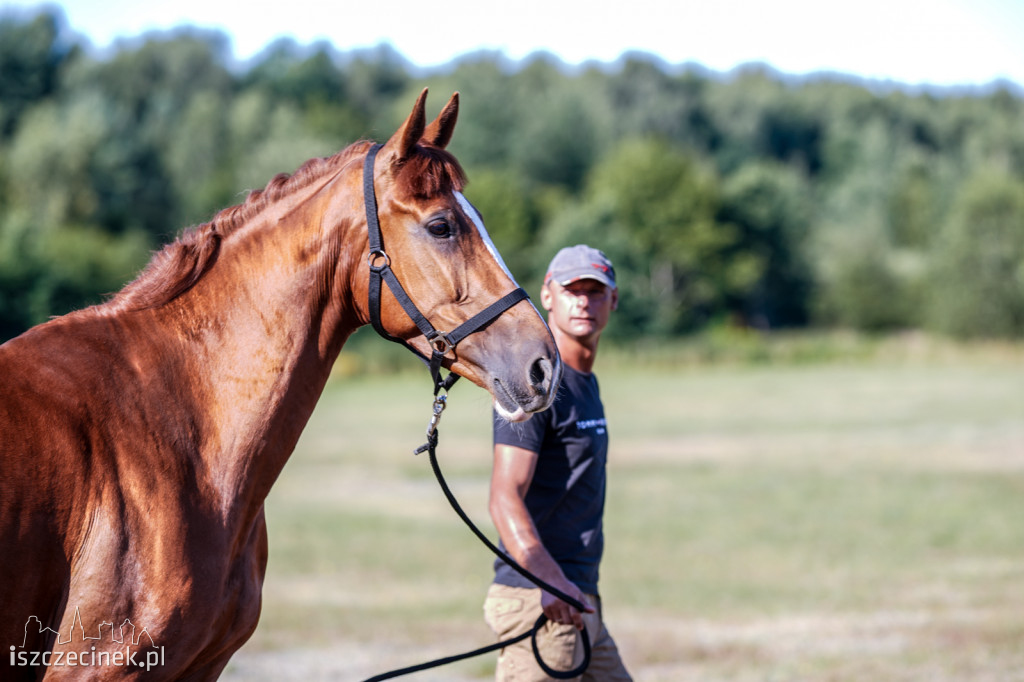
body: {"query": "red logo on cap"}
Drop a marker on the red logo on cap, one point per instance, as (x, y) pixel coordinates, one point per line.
(602, 268)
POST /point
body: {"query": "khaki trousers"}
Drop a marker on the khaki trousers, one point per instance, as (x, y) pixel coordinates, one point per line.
(510, 611)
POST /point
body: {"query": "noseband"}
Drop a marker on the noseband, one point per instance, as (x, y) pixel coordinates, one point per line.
(380, 270)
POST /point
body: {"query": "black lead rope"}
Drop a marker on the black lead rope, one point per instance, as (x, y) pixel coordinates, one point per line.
(441, 343)
(431, 448)
(576, 604)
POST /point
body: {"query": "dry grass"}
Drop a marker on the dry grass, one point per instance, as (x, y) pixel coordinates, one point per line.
(818, 522)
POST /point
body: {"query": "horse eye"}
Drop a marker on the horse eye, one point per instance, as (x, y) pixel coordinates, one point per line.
(439, 228)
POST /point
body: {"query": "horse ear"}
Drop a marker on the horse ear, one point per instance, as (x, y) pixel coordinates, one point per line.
(405, 138)
(439, 133)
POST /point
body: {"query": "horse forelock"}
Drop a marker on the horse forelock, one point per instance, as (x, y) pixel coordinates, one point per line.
(177, 267)
(431, 171)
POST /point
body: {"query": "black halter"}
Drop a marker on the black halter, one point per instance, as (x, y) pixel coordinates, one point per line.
(380, 270)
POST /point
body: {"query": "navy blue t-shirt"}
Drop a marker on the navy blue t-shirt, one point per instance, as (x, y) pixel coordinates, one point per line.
(567, 493)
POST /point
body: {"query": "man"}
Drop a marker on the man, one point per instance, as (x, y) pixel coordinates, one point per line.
(548, 489)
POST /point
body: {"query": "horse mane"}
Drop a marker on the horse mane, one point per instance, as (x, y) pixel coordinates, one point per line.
(177, 267)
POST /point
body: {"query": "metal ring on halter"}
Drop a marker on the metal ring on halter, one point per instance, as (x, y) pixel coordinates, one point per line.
(441, 343)
(374, 255)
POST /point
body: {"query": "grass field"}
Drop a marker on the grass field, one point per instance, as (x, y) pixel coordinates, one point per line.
(841, 520)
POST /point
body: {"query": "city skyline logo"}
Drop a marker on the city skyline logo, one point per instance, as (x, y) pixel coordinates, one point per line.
(132, 641)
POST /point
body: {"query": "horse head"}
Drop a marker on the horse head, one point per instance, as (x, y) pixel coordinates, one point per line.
(435, 243)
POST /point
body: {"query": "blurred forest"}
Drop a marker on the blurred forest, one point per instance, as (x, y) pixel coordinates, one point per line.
(750, 198)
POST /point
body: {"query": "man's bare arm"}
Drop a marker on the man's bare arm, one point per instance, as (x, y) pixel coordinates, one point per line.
(510, 479)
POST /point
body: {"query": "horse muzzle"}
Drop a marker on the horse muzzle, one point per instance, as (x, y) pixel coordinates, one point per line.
(518, 398)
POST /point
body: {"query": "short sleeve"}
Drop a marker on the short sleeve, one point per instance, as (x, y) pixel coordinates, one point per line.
(528, 435)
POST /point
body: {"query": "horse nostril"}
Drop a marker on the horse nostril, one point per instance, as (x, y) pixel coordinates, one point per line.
(540, 374)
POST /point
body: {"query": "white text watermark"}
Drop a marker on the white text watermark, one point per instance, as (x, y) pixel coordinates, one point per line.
(120, 646)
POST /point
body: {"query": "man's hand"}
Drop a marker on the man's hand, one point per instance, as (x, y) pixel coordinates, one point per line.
(559, 611)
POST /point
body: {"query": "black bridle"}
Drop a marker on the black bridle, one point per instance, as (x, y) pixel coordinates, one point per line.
(441, 343)
(380, 271)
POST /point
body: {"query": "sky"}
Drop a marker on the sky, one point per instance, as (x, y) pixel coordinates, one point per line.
(916, 42)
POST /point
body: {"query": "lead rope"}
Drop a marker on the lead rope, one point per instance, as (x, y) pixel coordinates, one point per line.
(440, 402)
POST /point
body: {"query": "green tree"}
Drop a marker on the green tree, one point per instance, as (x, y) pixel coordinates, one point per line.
(510, 216)
(47, 272)
(860, 283)
(753, 196)
(560, 134)
(376, 78)
(767, 204)
(145, 93)
(654, 210)
(489, 118)
(313, 80)
(977, 284)
(32, 54)
(55, 160)
(268, 137)
(647, 100)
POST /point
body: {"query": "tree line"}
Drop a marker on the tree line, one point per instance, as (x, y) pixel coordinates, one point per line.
(749, 198)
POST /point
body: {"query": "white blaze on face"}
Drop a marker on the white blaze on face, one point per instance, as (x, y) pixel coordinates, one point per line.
(478, 223)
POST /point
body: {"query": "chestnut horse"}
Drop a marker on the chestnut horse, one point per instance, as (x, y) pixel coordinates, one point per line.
(139, 438)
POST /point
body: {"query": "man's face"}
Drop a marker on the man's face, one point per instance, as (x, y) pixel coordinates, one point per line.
(579, 309)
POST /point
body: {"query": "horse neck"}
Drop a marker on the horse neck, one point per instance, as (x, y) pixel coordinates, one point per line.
(261, 331)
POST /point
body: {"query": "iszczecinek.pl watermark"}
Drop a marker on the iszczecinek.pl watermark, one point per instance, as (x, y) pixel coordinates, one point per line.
(88, 659)
(122, 647)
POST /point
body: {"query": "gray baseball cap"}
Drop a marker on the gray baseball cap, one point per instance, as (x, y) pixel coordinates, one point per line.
(580, 262)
